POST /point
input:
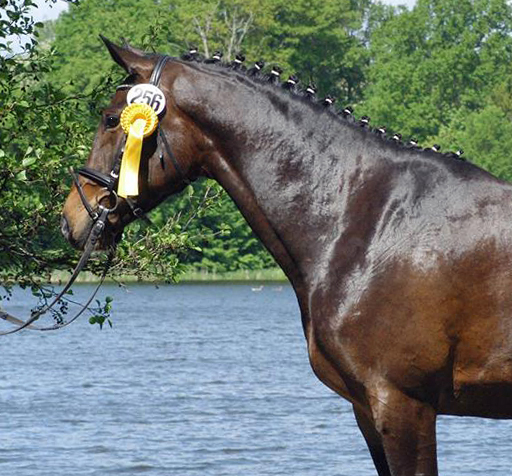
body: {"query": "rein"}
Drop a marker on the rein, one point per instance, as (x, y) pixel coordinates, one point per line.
(92, 239)
(99, 217)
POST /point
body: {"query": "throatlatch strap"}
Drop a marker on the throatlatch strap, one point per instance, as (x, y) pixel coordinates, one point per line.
(174, 161)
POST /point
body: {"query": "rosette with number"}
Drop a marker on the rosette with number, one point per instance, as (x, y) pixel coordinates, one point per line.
(138, 121)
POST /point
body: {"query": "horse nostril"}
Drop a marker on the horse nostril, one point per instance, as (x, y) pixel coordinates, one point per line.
(64, 227)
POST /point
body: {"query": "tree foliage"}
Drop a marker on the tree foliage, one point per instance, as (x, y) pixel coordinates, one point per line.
(38, 128)
(436, 58)
(319, 40)
(435, 70)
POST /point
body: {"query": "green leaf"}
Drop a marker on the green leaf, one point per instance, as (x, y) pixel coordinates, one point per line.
(22, 176)
(28, 161)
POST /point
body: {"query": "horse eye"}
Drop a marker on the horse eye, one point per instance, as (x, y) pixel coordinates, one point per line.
(112, 121)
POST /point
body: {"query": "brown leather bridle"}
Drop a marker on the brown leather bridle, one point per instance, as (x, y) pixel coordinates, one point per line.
(110, 181)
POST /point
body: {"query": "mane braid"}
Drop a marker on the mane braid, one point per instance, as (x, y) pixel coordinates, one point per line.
(319, 106)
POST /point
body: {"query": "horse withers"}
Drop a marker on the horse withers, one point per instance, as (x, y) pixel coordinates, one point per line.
(401, 259)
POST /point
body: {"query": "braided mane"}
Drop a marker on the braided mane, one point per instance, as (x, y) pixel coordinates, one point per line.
(305, 95)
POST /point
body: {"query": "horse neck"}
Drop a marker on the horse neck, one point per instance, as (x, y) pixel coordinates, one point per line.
(286, 165)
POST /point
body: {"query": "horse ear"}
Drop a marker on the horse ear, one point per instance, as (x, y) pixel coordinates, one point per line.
(130, 59)
(127, 46)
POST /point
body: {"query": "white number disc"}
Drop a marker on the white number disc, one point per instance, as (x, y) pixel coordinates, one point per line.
(147, 94)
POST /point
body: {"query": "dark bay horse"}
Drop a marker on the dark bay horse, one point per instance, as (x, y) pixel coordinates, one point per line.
(401, 259)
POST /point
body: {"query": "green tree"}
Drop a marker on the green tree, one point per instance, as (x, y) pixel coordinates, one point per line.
(222, 239)
(323, 40)
(441, 56)
(36, 133)
(81, 59)
(502, 97)
(485, 135)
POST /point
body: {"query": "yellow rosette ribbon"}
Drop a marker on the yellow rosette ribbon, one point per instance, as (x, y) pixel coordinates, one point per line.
(138, 121)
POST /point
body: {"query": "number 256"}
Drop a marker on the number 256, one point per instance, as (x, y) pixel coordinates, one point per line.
(149, 97)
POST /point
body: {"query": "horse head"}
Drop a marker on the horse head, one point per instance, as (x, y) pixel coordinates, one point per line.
(171, 156)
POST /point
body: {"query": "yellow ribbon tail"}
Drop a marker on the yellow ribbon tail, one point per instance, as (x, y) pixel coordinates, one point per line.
(129, 173)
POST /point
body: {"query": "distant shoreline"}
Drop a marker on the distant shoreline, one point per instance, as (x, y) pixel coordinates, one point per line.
(192, 276)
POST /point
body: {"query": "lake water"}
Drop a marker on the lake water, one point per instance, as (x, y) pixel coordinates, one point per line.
(194, 380)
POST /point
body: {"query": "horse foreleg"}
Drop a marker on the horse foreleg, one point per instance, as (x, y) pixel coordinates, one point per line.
(374, 442)
(407, 428)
